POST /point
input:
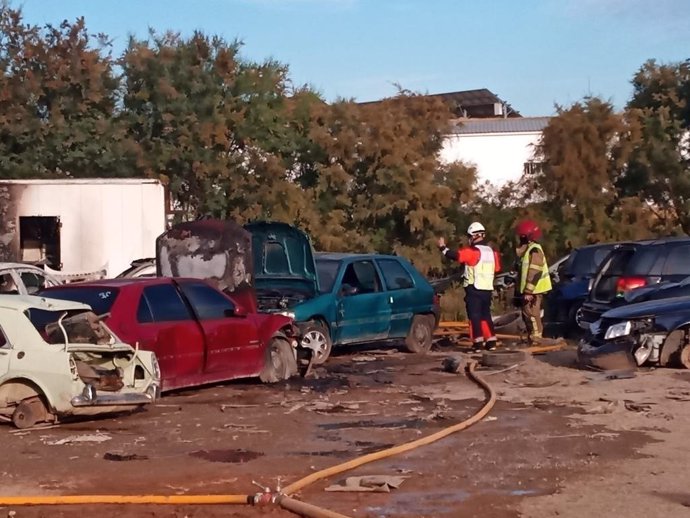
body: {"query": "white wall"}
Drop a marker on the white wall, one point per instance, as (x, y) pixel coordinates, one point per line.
(104, 223)
(498, 157)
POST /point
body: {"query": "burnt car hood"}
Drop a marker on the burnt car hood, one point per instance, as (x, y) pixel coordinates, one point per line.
(649, 309)
(283, 260)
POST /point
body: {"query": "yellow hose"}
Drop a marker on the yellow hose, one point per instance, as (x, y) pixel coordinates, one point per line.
(125, 499)
(402, 448)
(305, 509)
(283, 499)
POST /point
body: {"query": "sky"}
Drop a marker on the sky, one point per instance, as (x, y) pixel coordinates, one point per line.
(533, 54)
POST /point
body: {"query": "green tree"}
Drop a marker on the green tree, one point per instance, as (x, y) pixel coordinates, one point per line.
(659, 167)
(58, 94)
(584, 151)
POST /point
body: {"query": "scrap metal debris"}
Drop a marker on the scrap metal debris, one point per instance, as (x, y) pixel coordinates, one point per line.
(124, 457)
(370, 483)
(95, 437)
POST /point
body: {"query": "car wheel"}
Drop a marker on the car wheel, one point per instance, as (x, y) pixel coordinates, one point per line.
(685, 356)
(29, 412)
(572, 326)
(280, 363)
(502, 358)
(315, 336)
(420, 335)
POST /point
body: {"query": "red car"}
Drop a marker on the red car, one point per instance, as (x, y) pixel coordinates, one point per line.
(199, 334)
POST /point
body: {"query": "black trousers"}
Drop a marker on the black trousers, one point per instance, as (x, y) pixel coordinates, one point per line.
(478, 304)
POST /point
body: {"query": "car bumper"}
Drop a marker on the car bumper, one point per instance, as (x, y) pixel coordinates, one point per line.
(607, 355)
(91, 398)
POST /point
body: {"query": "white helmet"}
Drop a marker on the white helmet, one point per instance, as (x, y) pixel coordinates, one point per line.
(475, 228)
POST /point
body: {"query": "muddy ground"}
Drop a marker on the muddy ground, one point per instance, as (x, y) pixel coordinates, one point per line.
(560, 442)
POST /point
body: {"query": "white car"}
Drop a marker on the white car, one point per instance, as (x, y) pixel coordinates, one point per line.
(57, 358)
(24, 279)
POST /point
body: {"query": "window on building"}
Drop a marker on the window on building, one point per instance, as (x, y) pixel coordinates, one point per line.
(532, 168)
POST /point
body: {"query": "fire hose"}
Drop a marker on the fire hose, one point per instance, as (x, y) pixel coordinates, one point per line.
(282, 498)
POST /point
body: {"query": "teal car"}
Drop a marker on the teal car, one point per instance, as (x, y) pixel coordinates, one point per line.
(339, 299)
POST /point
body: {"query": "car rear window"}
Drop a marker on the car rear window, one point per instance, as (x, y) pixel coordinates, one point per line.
(586, 261)
(678, 261)
(100, 298)
(643, 260)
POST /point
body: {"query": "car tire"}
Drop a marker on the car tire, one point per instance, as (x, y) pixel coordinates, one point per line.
(502, 358)
(29, 412)
(420, 336)
(279, 363)
(684, 356)
(315, 336)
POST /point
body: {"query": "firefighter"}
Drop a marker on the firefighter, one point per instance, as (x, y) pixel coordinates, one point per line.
(534, 279)
(481, 263)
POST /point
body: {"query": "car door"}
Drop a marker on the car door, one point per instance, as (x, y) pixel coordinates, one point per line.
(233, 347)
(364, 311)
(166, 326)
(4, 355)
(402, 296)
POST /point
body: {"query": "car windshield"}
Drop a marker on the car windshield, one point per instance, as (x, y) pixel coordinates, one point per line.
(586, 261)
(100, 298)
(327, 270)
(76, 327)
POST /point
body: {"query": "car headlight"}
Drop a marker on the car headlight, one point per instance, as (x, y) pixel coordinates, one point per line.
(618, 330)
(289, 314)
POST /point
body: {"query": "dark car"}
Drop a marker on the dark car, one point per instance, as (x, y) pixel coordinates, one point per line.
(199, 334)
(571, 285)
(655, 332)
(634, 265)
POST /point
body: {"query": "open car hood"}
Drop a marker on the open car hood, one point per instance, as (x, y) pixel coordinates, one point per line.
(283, 258)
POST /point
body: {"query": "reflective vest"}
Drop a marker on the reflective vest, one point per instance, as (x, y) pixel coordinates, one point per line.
(544, 283)
(481, 275)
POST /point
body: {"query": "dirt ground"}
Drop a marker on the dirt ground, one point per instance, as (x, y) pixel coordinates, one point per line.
(560, 442)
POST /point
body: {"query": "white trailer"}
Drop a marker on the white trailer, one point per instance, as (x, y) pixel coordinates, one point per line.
(81, 225)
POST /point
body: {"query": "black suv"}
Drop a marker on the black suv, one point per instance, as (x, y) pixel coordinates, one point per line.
(571, 284)
(635, 265)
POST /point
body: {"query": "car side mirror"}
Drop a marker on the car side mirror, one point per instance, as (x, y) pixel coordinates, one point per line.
(237, 311)
(346, 290)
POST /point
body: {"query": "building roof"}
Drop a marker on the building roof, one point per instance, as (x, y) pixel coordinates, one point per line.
(480, 103)
(83, 181)
(509, 125)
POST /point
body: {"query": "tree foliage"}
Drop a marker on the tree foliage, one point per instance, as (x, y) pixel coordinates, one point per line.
(235, 138)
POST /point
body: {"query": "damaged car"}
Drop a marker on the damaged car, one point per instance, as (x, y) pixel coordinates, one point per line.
(58, 359)
(655, 332)
(199, 334)
(341, 298)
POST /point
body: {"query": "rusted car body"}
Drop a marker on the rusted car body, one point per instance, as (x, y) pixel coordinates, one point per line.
(57, 358)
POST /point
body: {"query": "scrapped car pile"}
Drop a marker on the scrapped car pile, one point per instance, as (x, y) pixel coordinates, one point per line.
(638, 308)
(226, 302)
(221, 301)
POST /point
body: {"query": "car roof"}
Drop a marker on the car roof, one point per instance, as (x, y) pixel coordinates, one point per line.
(123, 282)
(341, 256)
(14, 266)
(23, 302)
